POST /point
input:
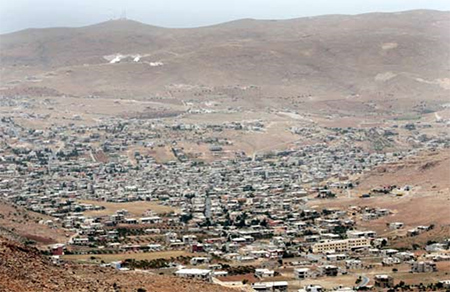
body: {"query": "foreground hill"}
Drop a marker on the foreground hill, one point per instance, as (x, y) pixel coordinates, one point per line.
(380, 54)
(24, 269)
(26, 226)
(427, 203)
(430, 171)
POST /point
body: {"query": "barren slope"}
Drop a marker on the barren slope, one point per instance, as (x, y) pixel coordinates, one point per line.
(24, 269)
(427, 203)
(376, 55)
(27, 225)
(429, 171)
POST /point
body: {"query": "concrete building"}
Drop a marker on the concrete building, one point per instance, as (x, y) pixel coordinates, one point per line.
(384, 281)
(198, 274)
(279, 286)
(341, 245)
(302, 273)
(264, 273)
(423, 267)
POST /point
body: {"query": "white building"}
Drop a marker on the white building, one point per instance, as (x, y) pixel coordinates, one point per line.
(302, 273)
(199, 261)
(311, 288)
(278, 286)
(199, 274)
(264, 273)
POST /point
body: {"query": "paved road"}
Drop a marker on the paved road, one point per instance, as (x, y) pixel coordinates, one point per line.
(364, 281)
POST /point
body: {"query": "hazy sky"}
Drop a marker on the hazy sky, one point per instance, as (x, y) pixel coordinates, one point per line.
(21, 14)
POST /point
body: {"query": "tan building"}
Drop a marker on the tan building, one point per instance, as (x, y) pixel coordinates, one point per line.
(384, 281)
(341, 245)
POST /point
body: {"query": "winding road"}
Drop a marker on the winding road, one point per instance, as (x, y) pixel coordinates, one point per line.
(364, 281)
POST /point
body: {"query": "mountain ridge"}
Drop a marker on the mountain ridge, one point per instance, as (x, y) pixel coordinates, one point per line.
(326, 55)
(226, 22)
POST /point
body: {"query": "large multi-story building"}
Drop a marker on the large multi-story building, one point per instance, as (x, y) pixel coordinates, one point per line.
(341, 245)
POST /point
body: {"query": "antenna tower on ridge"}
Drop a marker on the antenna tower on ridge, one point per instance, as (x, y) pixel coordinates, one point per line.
(124, 14)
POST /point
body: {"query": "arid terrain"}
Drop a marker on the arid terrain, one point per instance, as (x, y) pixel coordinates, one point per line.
(24, 269)
(254, 155)
(428, 202)
(19, 224)
(312, 61)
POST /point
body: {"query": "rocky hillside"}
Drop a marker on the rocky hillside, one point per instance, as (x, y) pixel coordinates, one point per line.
(24, 269)
(378, 54)
(20, 224)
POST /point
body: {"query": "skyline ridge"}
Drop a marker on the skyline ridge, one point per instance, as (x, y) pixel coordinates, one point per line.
(222, 23)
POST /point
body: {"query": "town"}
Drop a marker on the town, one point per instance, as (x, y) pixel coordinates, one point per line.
(129, 195)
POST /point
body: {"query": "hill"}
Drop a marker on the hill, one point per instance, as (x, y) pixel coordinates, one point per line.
(26, 226)
(373, 56)
(24, 269)
(427, 203)
(430, 171)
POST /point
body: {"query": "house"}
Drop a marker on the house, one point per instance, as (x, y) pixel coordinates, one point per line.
(435, 247)
(389, 252)
(264, 273)
(150, 220)
(152, 231)
(302, 273)
(395, 225)
(259, 253)
(329, 270)
(239, 240)
(198, 247)
(389, 261)
(405, 256)
(171, 236)
(423, 267)
(198, 274)
(413, 232)
(57, 249)
(445, 284)
(80, 241)
(220, 273)
(336, 257)
(131, 221)
(380, 242)
(154, 247)
(56, 260)
(311, 288)
(344, 289)
(361, 234)
(215, 267)
(116, 265)
(279, 286)
(199, 261)
(189, 239)
(384, 281)
(353, 264)
(312, 238)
